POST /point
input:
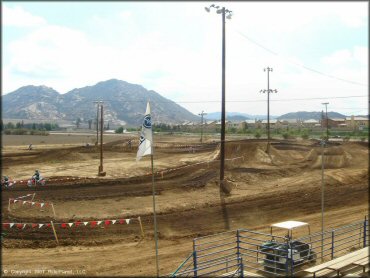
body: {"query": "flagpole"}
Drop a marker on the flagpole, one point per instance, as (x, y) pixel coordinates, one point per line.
(155, 216)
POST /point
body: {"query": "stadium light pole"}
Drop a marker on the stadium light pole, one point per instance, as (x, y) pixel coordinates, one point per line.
(201, 127)
(268, 91)
(222, 11)
(327, 120)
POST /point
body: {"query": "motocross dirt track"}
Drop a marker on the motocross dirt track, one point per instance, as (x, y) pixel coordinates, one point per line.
(265, 189)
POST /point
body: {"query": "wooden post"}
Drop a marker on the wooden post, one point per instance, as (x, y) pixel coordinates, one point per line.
(52, 206)
(9, 205)
(55, 233)
(141, 227)
(33, 196)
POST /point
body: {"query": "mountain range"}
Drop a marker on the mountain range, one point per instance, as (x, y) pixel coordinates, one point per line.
(124, 104)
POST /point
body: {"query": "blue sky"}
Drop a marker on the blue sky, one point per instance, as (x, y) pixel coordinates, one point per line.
(174, 48)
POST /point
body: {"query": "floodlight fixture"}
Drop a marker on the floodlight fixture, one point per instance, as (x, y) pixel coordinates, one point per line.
(219, 11)
(207, 9)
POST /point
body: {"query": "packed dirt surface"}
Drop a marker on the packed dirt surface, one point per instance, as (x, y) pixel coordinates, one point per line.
(261, 188)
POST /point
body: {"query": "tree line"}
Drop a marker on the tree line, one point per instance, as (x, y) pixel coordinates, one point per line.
(21, 128)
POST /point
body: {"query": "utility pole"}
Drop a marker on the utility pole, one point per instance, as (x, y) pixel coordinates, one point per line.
(201, 127)
(101, 173)
(222, 11)
(97, 122)
(327, 120)
(100, 106)
(322, 198)
(268, 91)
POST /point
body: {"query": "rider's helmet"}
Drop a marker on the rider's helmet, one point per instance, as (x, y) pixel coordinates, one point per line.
(6, 178)
(37, 171)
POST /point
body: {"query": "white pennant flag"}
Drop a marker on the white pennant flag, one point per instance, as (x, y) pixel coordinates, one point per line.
(15, 201)
(40, 225)
(24, 202)
(99, 222)
(32, 203)
(114, 221)
(70, 224)
(24, 226)
(145, 143)
(85, 223)
(42, 204)
(127, 221)
(11, 225)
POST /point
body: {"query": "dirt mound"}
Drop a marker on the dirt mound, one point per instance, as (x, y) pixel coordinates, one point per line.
(334, 157)
(254, 152)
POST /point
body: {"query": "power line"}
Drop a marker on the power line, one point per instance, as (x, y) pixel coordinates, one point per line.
(230, 101)
(299, 65)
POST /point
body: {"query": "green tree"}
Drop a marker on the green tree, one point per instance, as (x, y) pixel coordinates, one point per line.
(119, 130)
(90, 123)
(257, 134)
(10, 125)
(78, 122)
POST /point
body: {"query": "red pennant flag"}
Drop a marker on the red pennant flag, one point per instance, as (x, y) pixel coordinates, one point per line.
(34, 225)
(106, 222)
(6, 225)
(48, 225)
(38, 204)
(77, 223)
(121, 221)
(64, 225)
(19, 225)
(93, 223)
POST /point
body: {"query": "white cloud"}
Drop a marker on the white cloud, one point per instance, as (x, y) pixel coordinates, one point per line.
(18, 17)
(339, 57)
(66, 58)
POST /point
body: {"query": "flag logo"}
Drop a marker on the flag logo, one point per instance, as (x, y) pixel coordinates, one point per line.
(147, 121)
(145, 141)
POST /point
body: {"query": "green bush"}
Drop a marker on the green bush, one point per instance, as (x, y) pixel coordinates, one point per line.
(285, 135)
(119, 130)
(257, 135)
(304, 136)
(19, 131)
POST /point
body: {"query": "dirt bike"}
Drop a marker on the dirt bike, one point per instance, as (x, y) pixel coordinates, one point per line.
(34, 181)
(6, 183)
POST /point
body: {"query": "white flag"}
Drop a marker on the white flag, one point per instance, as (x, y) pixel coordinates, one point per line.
(145, 144)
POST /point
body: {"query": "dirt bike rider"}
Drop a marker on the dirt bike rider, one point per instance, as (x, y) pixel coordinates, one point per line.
(36, 175)
(6, 181)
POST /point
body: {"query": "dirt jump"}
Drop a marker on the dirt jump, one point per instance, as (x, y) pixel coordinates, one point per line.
(109, 239)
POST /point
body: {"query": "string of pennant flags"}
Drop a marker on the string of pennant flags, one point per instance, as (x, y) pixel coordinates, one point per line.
(25, 196)
(32, 203)
(65, 225)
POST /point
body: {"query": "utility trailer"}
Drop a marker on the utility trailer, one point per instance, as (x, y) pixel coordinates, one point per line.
(281, 256)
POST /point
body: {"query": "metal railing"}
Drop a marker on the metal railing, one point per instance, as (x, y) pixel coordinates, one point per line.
(229, 254)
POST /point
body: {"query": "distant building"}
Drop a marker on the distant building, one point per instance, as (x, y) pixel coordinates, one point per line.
(357, 123)
(311, 123)
(273, 123)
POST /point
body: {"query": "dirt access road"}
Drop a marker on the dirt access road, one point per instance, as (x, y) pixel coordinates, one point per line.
(264, 189)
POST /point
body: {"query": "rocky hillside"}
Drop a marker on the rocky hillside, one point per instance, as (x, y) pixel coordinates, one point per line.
(124, 103)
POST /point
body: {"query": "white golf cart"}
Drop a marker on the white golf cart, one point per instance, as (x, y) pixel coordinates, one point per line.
(282, 254)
